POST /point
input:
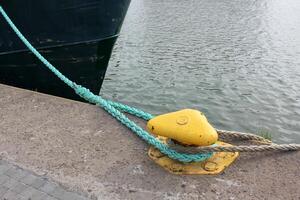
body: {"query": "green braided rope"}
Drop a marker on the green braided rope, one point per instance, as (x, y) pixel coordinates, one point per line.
(111, 107)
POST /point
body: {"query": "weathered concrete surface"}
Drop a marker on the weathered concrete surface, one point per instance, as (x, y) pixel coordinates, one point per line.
(82, 147)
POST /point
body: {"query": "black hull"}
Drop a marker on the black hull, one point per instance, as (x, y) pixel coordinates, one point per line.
(84, 63)
(76, 36)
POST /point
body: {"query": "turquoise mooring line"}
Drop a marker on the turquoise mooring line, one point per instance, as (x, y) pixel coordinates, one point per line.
(111, 107)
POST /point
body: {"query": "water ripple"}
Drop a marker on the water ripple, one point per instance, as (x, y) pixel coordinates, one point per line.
(237, 61)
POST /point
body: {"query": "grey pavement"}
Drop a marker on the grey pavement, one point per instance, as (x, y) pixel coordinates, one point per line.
(19, 184)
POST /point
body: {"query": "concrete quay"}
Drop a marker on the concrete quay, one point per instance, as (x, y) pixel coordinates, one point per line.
(83, 151)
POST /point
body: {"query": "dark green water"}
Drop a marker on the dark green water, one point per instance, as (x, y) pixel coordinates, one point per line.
(237, 61)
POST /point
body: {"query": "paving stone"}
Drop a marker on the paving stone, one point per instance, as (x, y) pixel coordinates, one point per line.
(3, 190)
(16, 173)
(22, 198)
(39, 196)
(38, 182)
(71, 196)
(25, 198)
(50, 198)
(28, 192)
(3, 178)
(28, 179)
(20, 187)
(2, 162)
(34, 181)
(58, 192)
(19, 184)
(4, 168)
(33, 194)
(10, 195)
(48, 187)
(10, 183)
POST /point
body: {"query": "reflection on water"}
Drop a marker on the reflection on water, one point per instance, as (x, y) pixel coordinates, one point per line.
(237, 61)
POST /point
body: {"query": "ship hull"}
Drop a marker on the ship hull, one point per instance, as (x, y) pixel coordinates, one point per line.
(76, 36)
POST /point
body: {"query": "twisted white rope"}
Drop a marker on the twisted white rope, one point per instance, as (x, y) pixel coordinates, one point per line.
(265, 144)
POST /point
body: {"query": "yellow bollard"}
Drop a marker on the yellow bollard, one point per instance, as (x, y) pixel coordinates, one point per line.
(188, 127)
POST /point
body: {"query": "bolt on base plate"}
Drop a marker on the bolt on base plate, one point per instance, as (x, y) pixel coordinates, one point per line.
(214, 165)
